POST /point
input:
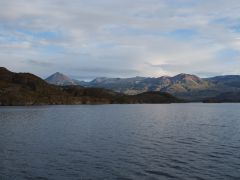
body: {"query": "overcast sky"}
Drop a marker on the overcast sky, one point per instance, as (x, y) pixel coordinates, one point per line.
(120, 38)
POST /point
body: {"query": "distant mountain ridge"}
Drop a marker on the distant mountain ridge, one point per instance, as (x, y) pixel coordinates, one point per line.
(229, 80)
(176, 84)
(28, 89)
(185, 86)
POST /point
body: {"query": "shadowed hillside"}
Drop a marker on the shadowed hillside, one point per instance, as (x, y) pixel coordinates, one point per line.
(227, 97)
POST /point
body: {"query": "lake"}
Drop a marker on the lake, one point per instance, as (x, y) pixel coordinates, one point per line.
(168, 141)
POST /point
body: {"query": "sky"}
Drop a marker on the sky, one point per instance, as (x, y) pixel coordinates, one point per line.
(120, 38)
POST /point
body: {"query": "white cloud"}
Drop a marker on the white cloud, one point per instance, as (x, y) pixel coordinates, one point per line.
(117, 35)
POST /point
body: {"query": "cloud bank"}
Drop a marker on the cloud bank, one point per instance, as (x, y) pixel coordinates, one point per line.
(120, 38)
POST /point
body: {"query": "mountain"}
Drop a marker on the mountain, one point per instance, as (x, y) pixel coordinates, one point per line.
(123, 85)
(60, 79)
(28, 89)
(186, 86)
(228, 80)
(183, 85)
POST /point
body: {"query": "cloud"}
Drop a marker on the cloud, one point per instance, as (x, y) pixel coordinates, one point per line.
(120, 38)
(38, 63)
(110, 72)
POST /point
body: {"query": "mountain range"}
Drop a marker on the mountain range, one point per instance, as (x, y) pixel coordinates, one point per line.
(28, 89)
(185, 86)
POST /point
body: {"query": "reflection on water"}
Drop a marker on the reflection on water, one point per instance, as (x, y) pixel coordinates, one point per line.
(175, 141)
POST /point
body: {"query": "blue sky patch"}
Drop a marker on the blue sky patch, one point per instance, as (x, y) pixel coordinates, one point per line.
(51, 49)
(227, 55)
(182, 34)
(41, 34)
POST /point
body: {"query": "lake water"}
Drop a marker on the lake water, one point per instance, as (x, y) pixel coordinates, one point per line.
(171, 141)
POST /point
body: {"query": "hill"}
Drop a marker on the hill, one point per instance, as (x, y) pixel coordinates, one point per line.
(28, 89)
(185, 86)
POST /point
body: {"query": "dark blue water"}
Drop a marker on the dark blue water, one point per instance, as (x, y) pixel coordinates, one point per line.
(175, 141)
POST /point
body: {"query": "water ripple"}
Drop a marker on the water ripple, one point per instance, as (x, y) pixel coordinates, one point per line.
(120, 142)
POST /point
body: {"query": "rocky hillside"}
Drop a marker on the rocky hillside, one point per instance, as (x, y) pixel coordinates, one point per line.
(28, 89)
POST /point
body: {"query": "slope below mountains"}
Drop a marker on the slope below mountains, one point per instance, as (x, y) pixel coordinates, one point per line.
(28, 89)
(228, 97)
(227, 81)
